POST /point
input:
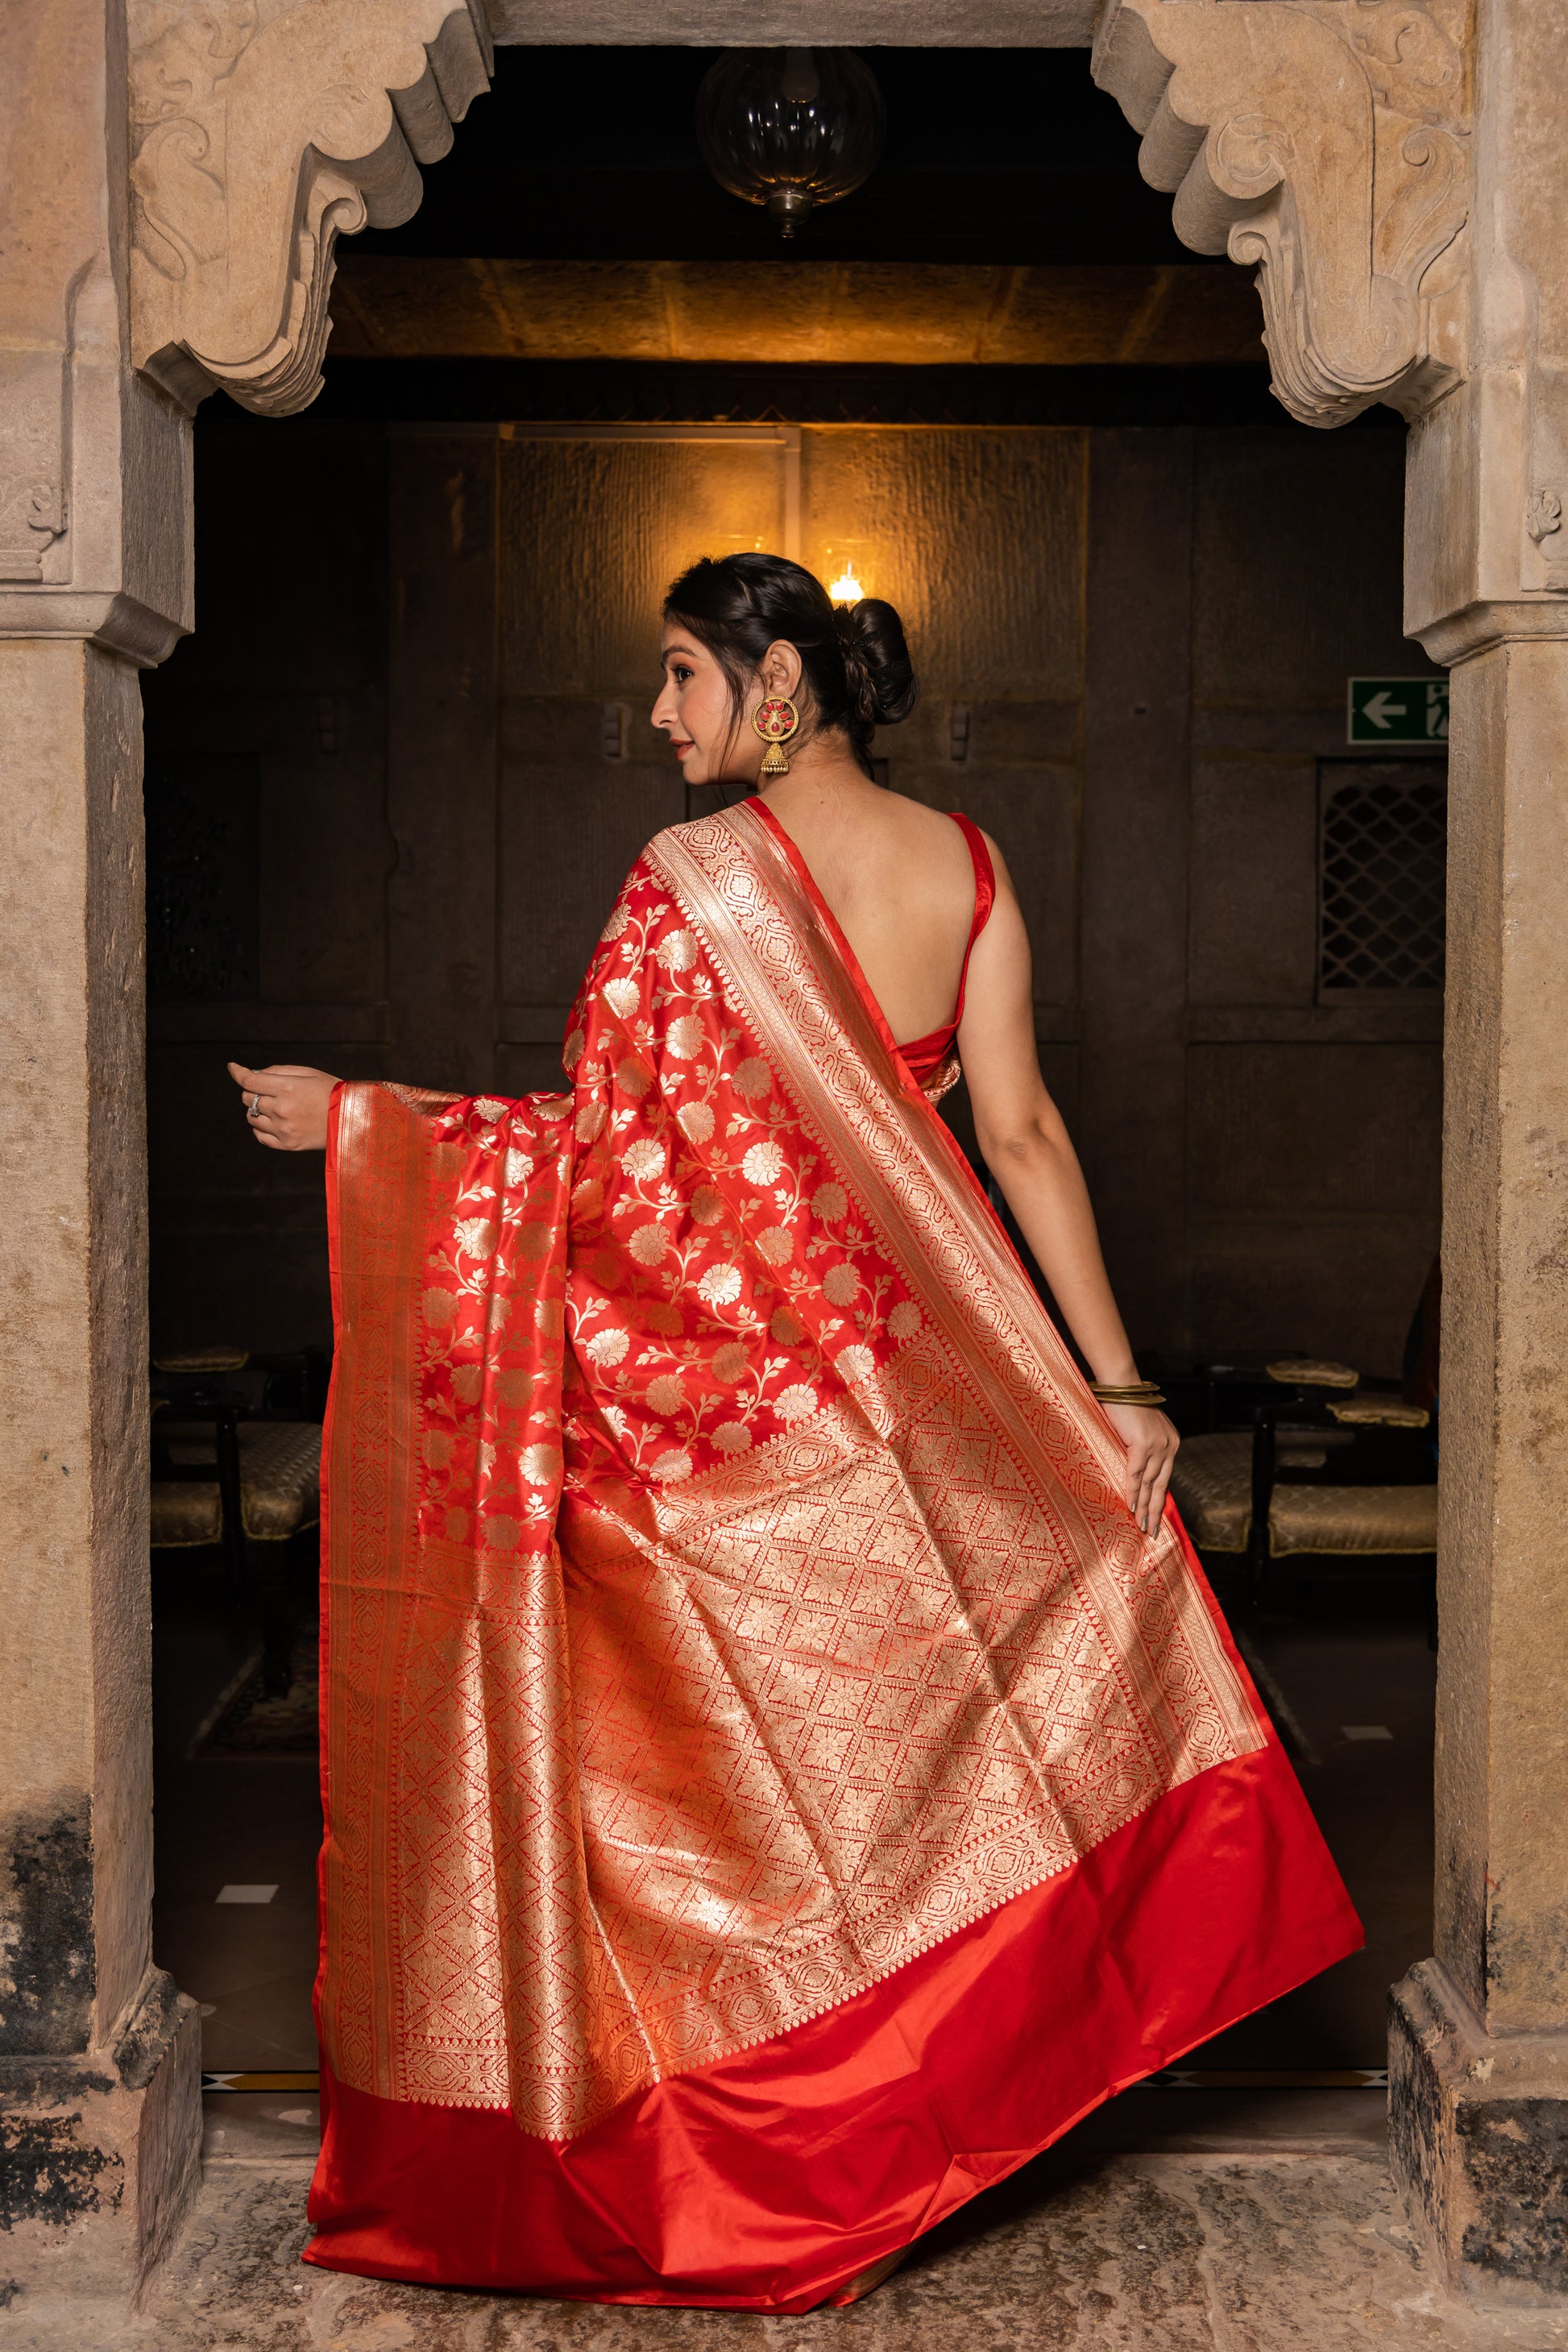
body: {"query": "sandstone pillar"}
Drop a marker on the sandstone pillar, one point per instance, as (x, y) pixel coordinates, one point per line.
(100, 2112)
(1396, 172)
(1479, 2038)
(1480, 2044)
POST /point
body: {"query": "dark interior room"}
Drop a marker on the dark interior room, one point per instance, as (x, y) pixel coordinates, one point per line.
(396, 775)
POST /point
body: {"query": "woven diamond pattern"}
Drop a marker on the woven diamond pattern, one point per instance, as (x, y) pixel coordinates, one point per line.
(1382, 875)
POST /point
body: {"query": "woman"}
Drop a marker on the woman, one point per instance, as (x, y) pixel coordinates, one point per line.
(782, 1764)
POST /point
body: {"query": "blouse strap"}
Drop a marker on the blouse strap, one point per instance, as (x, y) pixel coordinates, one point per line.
(984, 895)
(984, 873)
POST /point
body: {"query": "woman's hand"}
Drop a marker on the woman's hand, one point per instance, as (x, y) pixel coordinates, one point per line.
(287, 1105)
(1151, 1444)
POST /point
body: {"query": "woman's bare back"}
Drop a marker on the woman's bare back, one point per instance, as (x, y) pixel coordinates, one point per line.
(900, 881)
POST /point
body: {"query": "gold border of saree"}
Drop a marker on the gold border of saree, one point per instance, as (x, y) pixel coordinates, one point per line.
(904, 1169)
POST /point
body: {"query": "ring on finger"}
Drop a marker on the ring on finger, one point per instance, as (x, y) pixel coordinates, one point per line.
(255, 1110)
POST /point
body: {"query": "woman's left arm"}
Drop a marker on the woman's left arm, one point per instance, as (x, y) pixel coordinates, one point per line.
(1027, 1146)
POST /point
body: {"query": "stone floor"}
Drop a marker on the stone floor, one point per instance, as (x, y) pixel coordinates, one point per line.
(1103, 2252)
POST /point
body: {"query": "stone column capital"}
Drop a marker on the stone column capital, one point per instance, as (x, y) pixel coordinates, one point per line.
(118, 624)
(1488, 620)
(259, 136)
(1326, 143)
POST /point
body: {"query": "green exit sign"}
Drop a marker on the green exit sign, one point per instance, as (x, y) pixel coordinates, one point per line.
(1398, 710)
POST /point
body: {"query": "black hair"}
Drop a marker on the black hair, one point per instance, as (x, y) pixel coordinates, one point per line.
(854, 661)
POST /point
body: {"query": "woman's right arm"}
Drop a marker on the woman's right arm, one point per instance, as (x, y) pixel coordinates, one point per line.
(287, 1105)
(1027, 1146)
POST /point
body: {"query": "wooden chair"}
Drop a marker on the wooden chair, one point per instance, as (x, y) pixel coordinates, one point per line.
(227, 1474)
(1326, 1483)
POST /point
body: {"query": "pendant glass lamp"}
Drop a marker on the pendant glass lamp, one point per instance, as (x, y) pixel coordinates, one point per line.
(790, 128)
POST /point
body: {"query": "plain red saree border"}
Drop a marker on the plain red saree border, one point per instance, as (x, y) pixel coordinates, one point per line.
(911, 2098)
(334, 1406)
(359, 1389)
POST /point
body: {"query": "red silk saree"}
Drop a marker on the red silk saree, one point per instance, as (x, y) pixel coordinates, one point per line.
(773, 1790)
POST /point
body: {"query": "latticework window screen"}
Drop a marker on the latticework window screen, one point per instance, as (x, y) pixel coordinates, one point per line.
(1382, 874)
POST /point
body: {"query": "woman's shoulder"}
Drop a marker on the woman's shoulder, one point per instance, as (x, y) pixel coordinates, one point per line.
(691, 829)
(939, 839)
(938, 825)
(918, 817)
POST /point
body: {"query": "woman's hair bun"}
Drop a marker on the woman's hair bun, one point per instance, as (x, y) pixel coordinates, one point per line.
(874, 647)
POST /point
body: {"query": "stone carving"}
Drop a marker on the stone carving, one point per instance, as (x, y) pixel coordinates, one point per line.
(261, 131)
(1544, 515)
(44, 513)
(32, 517)
(1325, 141)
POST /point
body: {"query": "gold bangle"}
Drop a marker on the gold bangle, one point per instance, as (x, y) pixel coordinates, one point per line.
(1142, 1392)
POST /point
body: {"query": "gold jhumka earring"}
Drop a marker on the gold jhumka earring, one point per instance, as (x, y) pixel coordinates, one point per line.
(775, 722)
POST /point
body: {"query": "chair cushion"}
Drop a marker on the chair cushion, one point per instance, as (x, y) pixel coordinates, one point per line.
(1380, 1412)
(1212, 1483)
(1363, 1519)
(1212, 1488)
(1311, 1372)
(184, 1515)
(279, 1486)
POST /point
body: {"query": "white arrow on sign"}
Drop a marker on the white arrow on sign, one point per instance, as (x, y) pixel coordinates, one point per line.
(1380, 710)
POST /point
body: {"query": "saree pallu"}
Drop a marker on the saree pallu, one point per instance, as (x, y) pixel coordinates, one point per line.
(773, 1789)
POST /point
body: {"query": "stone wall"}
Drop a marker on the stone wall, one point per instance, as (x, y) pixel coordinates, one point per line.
(411, 733)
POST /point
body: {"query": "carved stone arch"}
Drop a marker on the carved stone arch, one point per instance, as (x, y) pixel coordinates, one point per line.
(261, 131)
(1326, 142)
(1323, 140)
